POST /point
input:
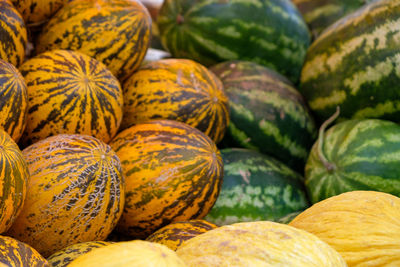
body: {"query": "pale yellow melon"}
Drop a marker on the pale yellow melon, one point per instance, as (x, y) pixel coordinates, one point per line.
(258, 244)
(363, 226)
(136, 253)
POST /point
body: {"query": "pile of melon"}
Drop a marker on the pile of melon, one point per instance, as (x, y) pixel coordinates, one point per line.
(199, 133)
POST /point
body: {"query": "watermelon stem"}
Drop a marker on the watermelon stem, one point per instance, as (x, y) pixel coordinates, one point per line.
(330, 167)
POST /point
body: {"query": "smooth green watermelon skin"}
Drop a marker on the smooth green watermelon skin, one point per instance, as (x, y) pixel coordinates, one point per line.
(267, 113)
(269, 32)
(319, 14)
(256, 187)
(355, 64)
(366, 154)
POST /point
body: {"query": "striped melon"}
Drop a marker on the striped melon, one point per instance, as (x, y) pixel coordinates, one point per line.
(75, 193)
(13, 100)
(14, 178)
(177, 89)
(115, 32)
(173, 173)
(266, 113)
(258, 244)
(17, 253)
(133, 253)
(174, 235)
(37, 12)
(69, 92)
(13, 34)
(354, 64)
(256, 187)
(355, 155)
(363, 226)
(319, 14)
(64, 256)
(269, 32)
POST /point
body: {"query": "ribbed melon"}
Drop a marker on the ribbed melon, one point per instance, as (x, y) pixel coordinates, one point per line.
(115, 32)
(75, 193)
(14, 176)
(69, 92)
(354, 64)
(13, 100)
(174, 235)
(261, 243)
(173, 173)
(132, 253)
(64, 256)
(177, 89)
(37, 12)
(17, 253)
(267, 113)
(13, 34)
(363, 226)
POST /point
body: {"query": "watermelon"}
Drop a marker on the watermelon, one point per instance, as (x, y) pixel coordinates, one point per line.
(319, 14)
(355, 155)
(269, 32)
(355, 64)
(266, 113)
(256, 187)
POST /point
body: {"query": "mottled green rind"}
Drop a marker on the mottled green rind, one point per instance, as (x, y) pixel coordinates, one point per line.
(319, 14)
(266, 113)
(269, 32)
(366, 155)
(256, 187)
(355, 64)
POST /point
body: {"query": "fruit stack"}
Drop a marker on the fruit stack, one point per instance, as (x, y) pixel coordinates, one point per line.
(266, 133)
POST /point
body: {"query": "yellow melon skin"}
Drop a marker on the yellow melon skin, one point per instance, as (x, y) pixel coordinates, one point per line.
(135, 253)
(363, 226)
(259, 243)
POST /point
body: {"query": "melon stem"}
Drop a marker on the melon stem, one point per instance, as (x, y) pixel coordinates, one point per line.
(330, 167)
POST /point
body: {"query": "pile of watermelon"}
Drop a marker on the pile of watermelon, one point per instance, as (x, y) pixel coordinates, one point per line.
(199, 133)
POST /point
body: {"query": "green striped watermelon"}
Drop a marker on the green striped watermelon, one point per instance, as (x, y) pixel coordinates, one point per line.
(355, 155)
(319, 14)
(267, 113)
(355, 64)
(256, 187)
(269, 32)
